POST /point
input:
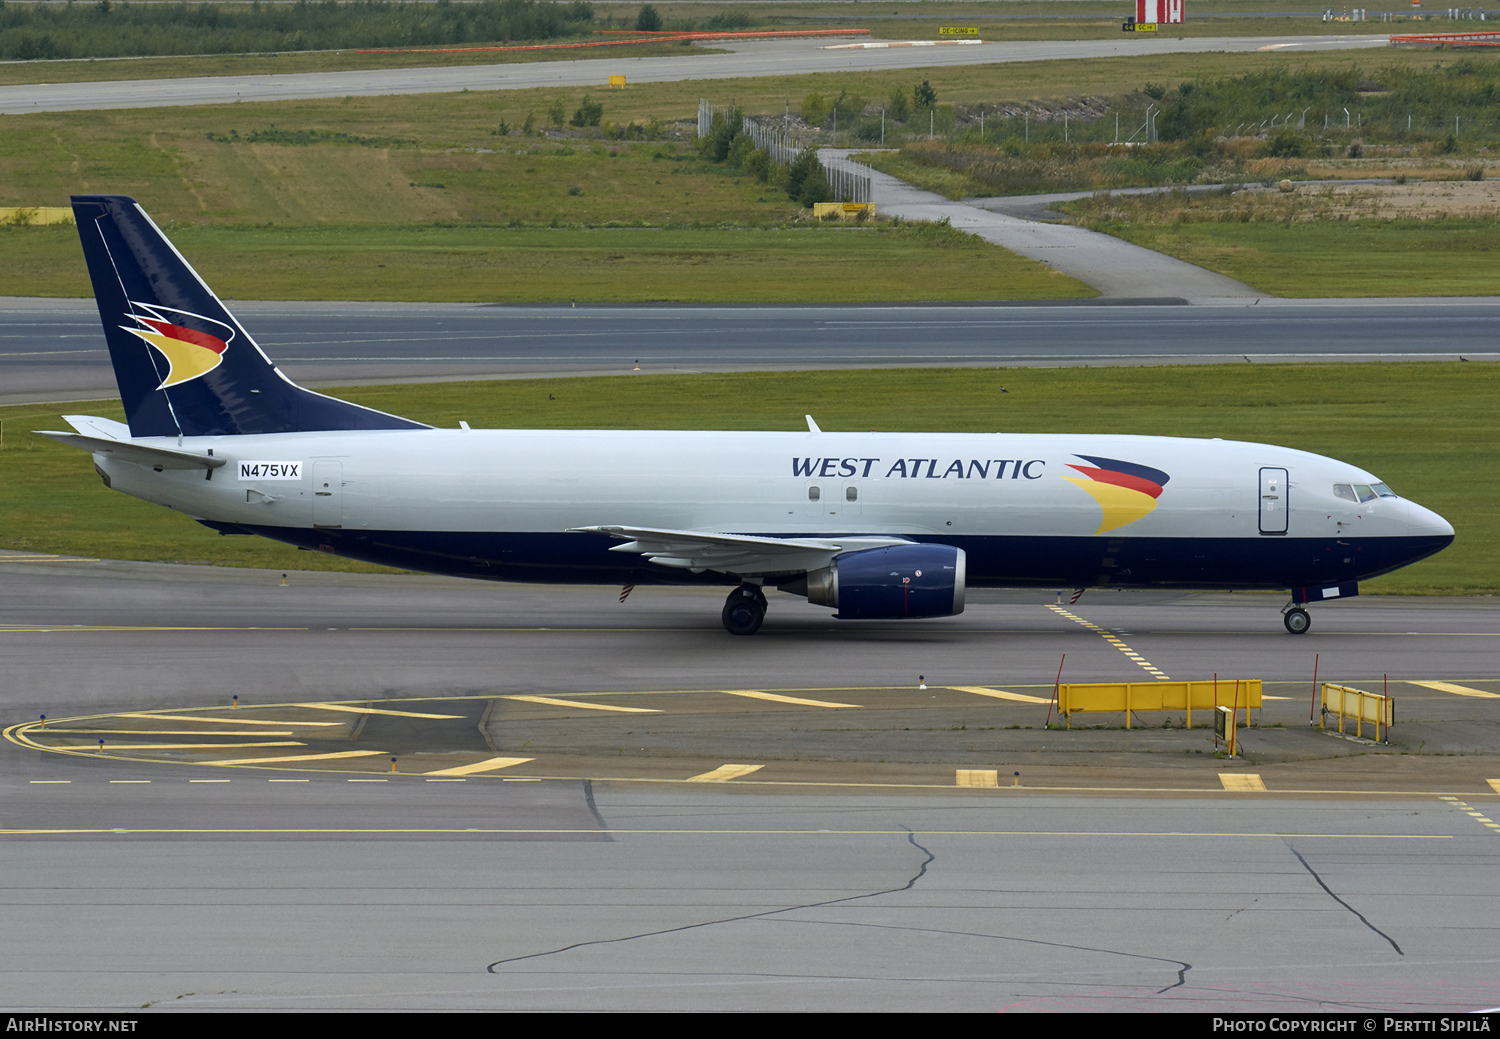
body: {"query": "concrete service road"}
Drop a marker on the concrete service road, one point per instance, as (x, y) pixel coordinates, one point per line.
(751, 59)
(53, 350)
(751, 852)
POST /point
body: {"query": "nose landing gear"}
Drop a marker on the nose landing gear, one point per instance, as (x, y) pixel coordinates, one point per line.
(744, 610)
(1296, 619)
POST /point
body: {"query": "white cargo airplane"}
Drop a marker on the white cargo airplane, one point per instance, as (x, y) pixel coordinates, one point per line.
(875, 525)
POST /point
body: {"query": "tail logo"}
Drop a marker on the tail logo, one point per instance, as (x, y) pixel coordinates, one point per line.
(1126, 491)
(189, 353)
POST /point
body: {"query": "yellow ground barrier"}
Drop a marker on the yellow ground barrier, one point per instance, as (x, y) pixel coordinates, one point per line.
(1131, 697)
(35, 216)
(843, 210)
(1358, 706)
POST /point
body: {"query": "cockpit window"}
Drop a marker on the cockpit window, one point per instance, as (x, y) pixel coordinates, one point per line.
(1359, 492)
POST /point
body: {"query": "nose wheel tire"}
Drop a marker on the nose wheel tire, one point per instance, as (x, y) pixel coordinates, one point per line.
(1297, 621)
(744, 611)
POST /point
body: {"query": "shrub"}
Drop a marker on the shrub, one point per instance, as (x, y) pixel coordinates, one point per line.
(1286, 144)
(648, 20)
(588, 114)
(924, 95)
(815, 109)
(804, 167)
(898, 105)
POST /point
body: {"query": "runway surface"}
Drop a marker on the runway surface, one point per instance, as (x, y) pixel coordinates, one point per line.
(728, 851)
(53, 350)
(778, 58)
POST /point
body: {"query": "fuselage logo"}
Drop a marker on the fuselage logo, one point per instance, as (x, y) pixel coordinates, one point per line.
(189, 352)
(1126, 491)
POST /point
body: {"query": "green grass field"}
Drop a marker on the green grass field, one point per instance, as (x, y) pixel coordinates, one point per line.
(530, 265)
(1420, 427)
(1338, 258)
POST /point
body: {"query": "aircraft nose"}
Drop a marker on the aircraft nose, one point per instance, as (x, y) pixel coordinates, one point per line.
(1425, 522)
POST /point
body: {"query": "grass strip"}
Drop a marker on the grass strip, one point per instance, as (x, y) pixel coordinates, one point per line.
(1420, 427)
(1316, 260)
(530, 265)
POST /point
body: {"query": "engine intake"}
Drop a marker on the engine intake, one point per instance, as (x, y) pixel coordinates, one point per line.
(890, 583)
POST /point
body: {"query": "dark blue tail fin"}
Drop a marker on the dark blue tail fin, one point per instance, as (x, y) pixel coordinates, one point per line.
(184, 365)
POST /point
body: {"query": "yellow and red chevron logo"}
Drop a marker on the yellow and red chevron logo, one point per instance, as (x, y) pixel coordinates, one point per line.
(189, 352)
(1125, 491)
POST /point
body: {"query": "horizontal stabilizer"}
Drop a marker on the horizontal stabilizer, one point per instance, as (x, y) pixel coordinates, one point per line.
(140, 454)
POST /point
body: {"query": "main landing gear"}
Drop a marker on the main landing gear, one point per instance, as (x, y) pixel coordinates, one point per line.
(744, 610)
(1296, 619)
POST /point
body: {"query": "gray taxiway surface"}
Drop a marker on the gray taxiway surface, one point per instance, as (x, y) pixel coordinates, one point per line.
(1117, 880)
(766, 58)
(53, 350)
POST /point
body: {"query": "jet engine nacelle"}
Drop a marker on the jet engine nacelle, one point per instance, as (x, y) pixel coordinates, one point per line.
(892, 583)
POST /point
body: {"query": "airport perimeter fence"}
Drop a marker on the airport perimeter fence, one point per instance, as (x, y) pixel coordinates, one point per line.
(847, 180)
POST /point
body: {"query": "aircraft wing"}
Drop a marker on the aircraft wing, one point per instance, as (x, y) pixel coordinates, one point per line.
(734, 553)
(141, 454)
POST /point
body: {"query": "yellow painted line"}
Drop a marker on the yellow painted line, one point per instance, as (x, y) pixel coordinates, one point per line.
(130, 780)
(724, 773)
(289, 781)
(553, 702)
(220, 720)
(1113, 640)
(300, 757)
(1241, 781)
(113, 747)
(998, 694)
(1461, 690)
(756, 694)
(372, 710)
(161, 732)
(49, 781)
(487, 765)
(1494, 785)
(976, 777)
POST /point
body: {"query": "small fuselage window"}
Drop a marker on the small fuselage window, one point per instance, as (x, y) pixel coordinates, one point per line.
(813, 494)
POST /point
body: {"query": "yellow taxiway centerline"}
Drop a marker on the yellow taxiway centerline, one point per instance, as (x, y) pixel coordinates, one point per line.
(998, 694)
(554, 702)
(1241, 781)
(487, 765)
(756, 694)
(219, 720)
(299, 757)
(724, 773)
(1461, 690)
(373, 710)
